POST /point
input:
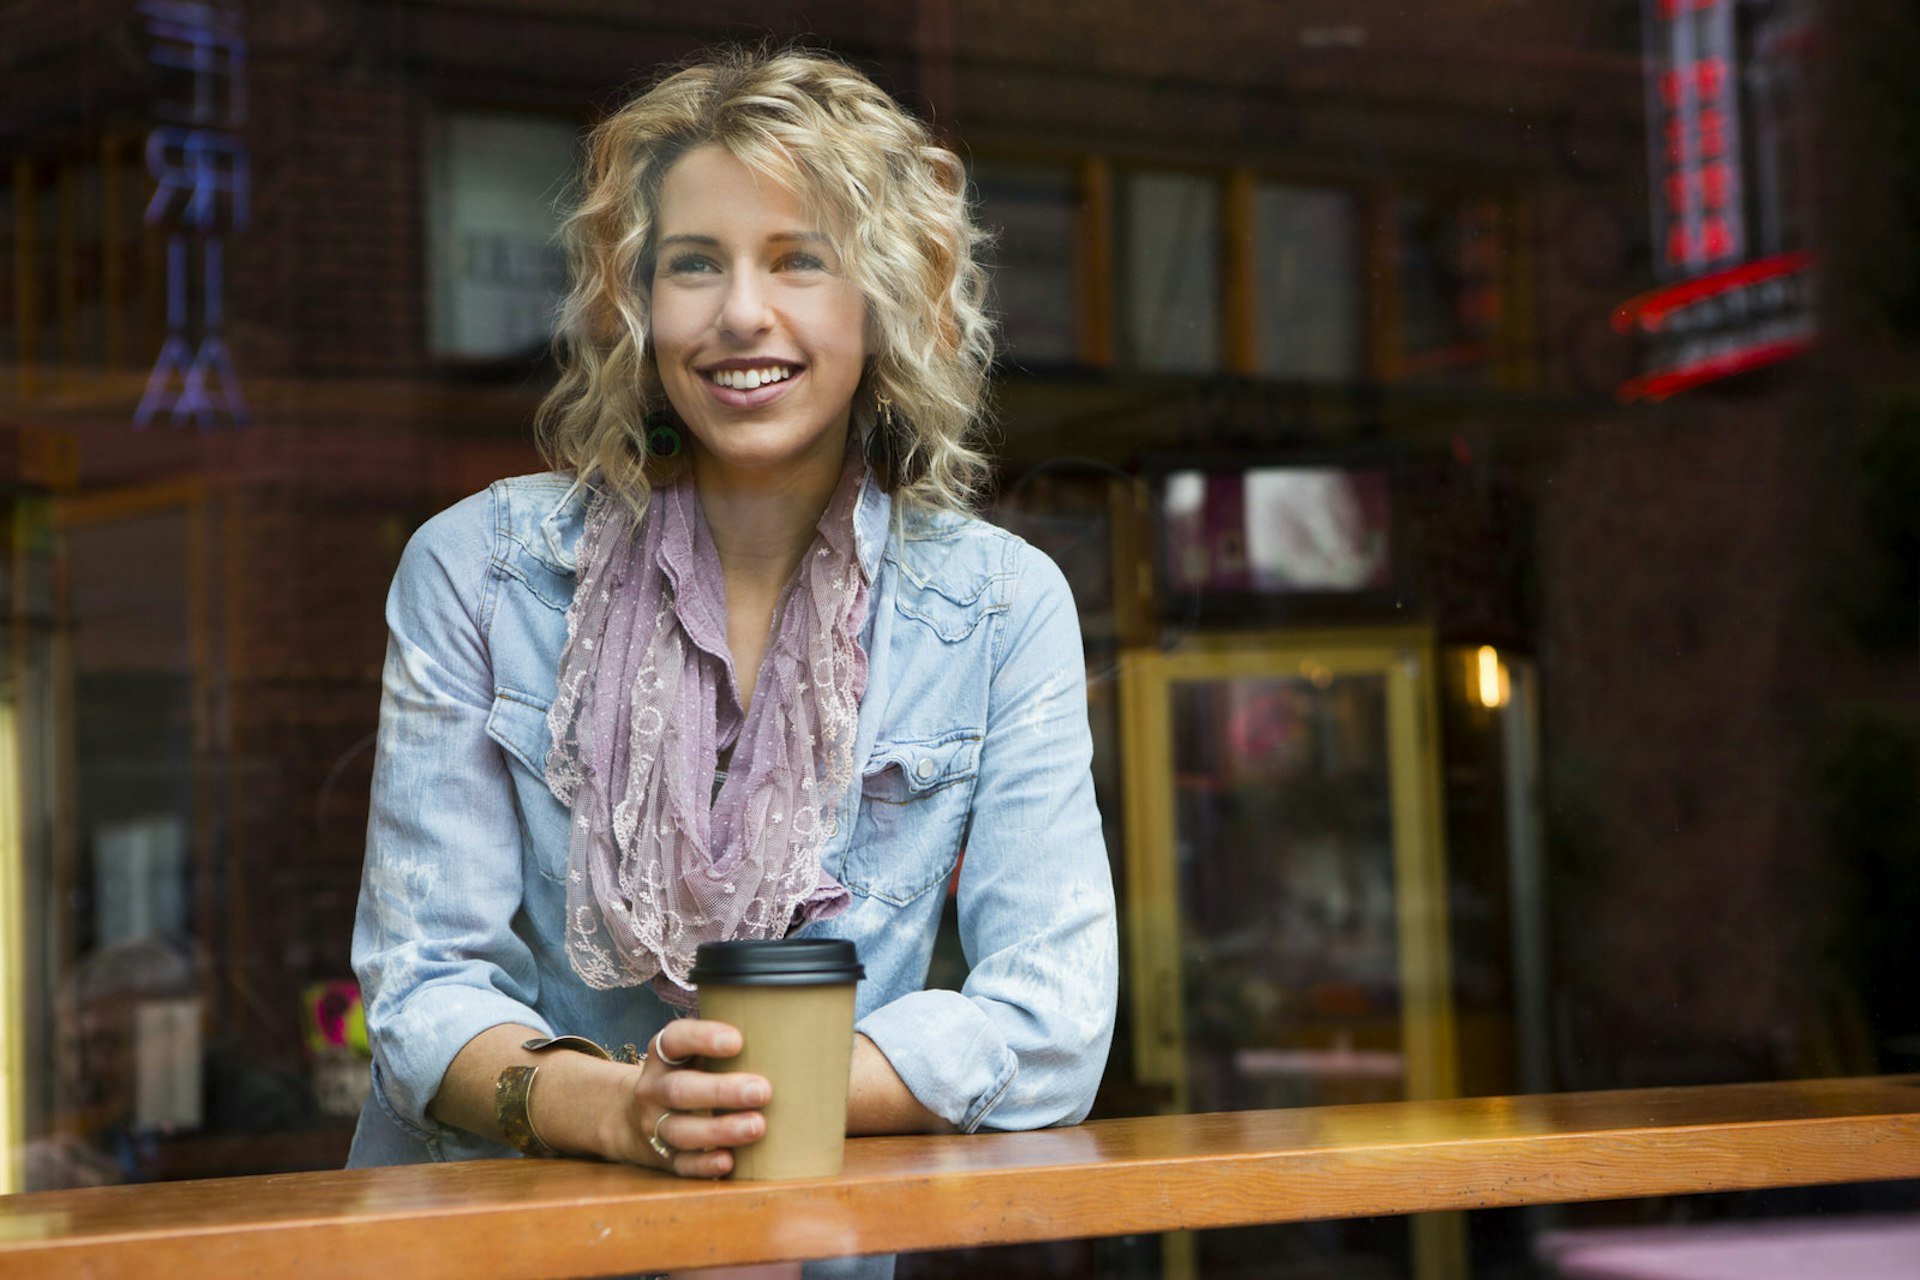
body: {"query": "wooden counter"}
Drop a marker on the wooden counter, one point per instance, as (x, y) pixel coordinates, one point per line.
(522, 1218)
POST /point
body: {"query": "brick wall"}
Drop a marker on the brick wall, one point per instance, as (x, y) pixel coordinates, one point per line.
(1680, 623)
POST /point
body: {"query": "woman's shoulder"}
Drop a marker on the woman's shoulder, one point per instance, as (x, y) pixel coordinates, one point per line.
(967, 557)
(540, 514)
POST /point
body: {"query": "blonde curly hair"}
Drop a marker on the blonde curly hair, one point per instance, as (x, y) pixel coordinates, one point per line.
(890, 198)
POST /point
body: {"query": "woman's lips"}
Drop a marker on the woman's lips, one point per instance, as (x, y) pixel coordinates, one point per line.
(762, 395)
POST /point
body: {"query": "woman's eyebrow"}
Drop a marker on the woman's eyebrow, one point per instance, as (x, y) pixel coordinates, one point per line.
(778, 237)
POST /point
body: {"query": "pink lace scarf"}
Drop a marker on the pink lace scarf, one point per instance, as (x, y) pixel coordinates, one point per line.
(657, 863)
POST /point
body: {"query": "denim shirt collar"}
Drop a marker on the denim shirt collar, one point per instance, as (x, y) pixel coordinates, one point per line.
(561, 527)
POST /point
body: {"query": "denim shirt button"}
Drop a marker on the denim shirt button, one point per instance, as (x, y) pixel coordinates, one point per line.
(924, 769)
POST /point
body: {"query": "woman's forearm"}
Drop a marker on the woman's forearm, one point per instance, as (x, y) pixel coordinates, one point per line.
(582, 1105)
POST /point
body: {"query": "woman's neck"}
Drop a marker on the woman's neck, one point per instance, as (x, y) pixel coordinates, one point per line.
(761, 528)
(762, 532)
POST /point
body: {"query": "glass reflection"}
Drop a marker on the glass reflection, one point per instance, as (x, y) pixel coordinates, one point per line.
(1286, 890)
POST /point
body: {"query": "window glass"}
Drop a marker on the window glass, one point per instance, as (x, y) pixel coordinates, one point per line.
(1033, 216)
(1451, 304)
(1170, 271)
(1498, 563)
(1278, 529)
(495, 271)
(1307, 283)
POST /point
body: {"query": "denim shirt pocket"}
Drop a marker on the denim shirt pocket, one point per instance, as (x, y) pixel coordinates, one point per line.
(518, 723)
(912, 818)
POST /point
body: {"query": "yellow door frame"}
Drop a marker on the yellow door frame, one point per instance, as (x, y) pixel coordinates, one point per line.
(13, 993)
(1406, 657)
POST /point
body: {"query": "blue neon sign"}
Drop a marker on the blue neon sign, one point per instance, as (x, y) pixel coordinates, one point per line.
(202, 194)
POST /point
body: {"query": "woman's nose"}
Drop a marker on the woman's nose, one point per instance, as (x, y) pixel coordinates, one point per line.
(744, 310)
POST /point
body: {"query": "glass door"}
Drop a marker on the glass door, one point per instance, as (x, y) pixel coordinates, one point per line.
(1287, 904)
(121, 877)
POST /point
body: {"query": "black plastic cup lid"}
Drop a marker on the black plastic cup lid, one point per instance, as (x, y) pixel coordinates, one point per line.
(780, 962)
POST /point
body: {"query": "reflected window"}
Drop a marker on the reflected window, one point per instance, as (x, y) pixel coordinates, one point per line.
(70, 234)
(1278, 529)
(496, 184)
(1451, 305)
(1033, 215)
(1170, 271)
(141, 878)
(1307, 278)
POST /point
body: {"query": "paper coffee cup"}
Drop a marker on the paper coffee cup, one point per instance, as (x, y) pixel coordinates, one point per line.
(792, 1000)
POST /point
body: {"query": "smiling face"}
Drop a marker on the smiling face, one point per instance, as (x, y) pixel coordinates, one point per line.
(759, 337)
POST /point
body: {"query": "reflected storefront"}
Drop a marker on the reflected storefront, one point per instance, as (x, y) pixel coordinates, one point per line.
(1483, 449)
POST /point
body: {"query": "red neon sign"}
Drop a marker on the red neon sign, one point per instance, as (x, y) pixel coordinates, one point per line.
(1718, 316)
(1693, 102)
(1655, 387)
(1726, 323)
(1650, 310)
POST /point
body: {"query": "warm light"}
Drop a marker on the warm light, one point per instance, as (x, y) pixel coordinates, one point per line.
(1493, 677)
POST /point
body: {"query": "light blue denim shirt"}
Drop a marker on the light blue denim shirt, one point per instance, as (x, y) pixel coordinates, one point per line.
(973, 734)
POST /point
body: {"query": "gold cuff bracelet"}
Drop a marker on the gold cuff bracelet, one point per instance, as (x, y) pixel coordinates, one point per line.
(510, 1092)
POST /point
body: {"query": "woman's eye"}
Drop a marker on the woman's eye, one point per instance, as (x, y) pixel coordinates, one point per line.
(690, 264)
(802, 262)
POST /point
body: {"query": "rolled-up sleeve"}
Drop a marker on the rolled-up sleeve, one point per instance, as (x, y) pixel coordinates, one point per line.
(1024, 1043)
(433, 946)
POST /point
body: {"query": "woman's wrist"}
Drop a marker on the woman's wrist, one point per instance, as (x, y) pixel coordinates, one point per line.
(576, 1102)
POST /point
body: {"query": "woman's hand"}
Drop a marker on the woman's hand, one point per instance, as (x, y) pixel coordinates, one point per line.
(672, 1100)
(583, 1105)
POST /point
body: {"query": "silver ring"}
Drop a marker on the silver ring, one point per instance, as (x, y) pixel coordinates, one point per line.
(660, 1055)
(661, 1147)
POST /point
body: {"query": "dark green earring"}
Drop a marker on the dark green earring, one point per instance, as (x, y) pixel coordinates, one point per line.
(663, 437)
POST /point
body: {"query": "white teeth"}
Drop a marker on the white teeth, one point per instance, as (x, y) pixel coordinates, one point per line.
(748, 379)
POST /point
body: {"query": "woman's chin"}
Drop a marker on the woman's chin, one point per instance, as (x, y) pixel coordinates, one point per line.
(744, 456)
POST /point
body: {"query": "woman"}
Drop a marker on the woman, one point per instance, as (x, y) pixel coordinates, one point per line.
(743, 664)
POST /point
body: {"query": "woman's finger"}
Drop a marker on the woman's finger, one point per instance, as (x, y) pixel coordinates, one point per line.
(703, 1091)
(703, 1164)
(685, 1039)
(688, 1133)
